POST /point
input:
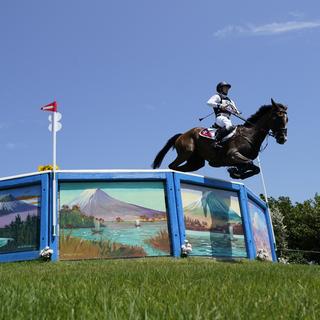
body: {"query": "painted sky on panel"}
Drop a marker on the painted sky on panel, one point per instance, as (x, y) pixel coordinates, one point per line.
(146, 194)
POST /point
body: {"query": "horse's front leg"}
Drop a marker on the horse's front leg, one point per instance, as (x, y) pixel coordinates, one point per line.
(249, 171)
(244, 171)
(237, 158)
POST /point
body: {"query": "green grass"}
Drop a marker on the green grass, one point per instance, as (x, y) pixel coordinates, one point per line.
(159, 288)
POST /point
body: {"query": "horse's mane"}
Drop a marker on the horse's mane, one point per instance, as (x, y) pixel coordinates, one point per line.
(255, 117)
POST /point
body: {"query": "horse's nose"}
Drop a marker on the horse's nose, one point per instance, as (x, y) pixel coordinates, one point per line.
(282, 140)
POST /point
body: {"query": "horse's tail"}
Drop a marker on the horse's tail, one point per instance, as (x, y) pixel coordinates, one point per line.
(170, 144)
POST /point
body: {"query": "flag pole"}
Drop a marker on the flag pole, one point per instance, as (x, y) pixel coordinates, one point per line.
(53, 107)
(54, 184)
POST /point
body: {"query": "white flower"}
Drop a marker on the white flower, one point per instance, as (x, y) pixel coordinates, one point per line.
(262, 254)
(186, 248)
(46, 253)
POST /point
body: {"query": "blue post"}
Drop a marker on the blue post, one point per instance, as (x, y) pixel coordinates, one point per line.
(53, 240)
(181, 225)
(251, 249)
(271, 235)
(172, 215)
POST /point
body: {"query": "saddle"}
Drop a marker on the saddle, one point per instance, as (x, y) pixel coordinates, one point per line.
(210, 133)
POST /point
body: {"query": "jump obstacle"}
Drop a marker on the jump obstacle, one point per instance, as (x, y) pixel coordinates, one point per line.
(130, 213)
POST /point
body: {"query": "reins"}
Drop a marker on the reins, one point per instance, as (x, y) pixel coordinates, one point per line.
(268, 132)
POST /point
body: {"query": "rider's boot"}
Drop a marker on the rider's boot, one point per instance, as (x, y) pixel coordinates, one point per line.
(217, 139)
(220, 134)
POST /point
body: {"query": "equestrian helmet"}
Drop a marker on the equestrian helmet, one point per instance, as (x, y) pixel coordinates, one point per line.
(222, 84)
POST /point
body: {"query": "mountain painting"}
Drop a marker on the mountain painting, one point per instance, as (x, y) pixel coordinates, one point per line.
(20, 219)
(112, 219)
(260, 229)
(213, 221)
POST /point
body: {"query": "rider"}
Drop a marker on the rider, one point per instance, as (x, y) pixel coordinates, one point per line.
(223, 107)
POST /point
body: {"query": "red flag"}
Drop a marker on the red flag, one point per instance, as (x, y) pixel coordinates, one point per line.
(53, 106)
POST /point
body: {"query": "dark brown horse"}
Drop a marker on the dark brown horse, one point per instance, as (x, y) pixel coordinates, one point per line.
(237, 153)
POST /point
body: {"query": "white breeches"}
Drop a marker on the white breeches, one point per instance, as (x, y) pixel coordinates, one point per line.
(223, 122)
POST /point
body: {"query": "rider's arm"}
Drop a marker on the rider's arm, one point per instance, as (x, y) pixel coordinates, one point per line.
(234, 107)
(214, 101)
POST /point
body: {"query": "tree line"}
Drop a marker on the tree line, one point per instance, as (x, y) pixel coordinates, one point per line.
(297, 228)
(24, 235)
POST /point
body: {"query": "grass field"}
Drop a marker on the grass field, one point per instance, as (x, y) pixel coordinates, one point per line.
(159, 288)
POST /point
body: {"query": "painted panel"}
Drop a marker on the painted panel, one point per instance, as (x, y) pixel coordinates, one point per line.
(20, 219)
(213, 221)
(112, 219)
(259, 228)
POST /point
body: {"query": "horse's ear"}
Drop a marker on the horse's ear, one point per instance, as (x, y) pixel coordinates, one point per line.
(273, 103)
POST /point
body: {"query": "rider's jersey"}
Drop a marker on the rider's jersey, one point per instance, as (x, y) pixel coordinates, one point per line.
(219, 100)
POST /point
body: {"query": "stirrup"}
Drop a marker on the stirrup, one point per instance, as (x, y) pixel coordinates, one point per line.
(216, 145)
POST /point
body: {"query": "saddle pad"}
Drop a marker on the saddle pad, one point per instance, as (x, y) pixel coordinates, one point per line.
(207, 133)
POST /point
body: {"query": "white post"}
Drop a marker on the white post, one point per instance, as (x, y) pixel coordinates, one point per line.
(266, 196)
(263, 183)
(54, 191)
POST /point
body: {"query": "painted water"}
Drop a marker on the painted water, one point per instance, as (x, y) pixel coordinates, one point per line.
(126, 233)
(216, 244)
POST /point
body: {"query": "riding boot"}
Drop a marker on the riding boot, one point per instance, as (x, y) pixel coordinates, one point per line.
(220, 134)
(218, 137)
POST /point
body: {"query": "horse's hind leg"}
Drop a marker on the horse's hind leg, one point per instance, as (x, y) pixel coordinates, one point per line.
(194, 163)
(185, 149)
(181, 158)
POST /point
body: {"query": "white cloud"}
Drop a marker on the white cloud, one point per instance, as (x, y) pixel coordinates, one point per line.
(297, 14)
(150, 107)
(274, 28)
(10, 145)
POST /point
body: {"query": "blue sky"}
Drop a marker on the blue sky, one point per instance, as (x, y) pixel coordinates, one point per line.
(130, 74)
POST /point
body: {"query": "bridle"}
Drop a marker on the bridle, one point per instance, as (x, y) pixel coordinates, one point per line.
(269, 132)
(283, 130)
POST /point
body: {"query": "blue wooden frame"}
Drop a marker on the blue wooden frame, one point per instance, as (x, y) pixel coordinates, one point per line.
(263, 206)
(43, 181)
(216, 184)
(172, 186)
(165, 177)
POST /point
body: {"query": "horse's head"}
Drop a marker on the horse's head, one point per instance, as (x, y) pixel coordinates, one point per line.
(279, 120)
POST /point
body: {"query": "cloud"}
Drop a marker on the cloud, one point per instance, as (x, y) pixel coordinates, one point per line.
(10, 145)
(274, 28)
(15, 146)
(297, 14)
(149, 107)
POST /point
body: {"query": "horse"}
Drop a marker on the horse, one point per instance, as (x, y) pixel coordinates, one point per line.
(237, 153)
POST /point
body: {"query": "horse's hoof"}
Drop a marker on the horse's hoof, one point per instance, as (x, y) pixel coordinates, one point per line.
(234, 173)
(247, 174)
(233, 170)
(235, 176)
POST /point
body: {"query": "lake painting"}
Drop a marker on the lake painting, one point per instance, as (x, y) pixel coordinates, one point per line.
(20, 219)
(213, 221)
(260, 229)
(112, 219)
